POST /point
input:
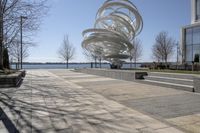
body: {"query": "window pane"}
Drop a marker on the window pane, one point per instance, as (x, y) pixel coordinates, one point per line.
(196, 50)
(196, 35)
(189, 53)
(188, 36)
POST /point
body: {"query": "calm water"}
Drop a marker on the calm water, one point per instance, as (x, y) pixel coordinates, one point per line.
(63, 66)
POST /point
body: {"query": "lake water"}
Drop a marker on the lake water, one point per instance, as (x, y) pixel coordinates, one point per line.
(71, 66)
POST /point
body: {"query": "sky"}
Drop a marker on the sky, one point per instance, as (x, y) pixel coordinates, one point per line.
(71, 17)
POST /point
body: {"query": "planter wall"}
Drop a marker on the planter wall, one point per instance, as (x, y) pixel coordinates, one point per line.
(12, 80)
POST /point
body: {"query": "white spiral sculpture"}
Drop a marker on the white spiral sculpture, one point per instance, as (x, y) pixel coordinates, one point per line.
(117, 23)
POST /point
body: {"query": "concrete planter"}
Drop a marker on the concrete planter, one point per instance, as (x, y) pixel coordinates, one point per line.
(12, 80)
(197, 84)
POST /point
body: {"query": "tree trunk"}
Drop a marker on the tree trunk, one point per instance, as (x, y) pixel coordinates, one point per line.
(67, 64)
(135, 62)
(192, 66)
(6, 64)
(100, 62)
(18, 62)
(166, 62)
(130, 63)
(91, 64)
(95, 62)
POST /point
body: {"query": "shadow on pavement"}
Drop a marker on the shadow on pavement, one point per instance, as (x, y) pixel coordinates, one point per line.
(24, 114)
(7, 122)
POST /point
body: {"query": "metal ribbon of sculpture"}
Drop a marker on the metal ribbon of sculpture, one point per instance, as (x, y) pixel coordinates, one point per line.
(117, 23)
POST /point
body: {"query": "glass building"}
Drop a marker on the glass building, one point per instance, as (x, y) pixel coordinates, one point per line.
(191, 35)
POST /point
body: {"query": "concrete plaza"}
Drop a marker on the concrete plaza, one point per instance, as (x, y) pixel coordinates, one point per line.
(64, 101)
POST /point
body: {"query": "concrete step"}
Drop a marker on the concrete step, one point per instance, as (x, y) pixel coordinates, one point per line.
(169, 85)
(172, 75)
(171, 80)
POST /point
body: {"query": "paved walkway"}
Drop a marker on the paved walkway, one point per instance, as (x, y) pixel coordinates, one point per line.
(175, 107)
(68, 102)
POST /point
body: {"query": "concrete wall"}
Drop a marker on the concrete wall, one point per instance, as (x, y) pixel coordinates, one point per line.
(116, 74)
(12, 80)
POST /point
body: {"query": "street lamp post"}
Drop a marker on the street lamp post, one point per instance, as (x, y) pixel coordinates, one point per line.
(21, 19)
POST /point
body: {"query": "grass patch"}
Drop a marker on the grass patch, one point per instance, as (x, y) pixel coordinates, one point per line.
(176, 71)
(164, 70)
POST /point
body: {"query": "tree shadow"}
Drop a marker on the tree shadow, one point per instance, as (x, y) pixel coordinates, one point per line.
(7, 122)
(19, 114)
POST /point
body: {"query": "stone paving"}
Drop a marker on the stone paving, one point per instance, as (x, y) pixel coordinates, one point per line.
(165, 104)
(67, 102)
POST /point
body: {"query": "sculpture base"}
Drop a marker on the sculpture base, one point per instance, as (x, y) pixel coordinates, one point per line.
(112, 66)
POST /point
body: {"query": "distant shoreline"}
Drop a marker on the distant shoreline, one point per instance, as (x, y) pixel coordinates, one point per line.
(71, 65)
(36, 63)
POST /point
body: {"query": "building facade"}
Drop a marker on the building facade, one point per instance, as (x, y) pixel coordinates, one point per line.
(190, 35)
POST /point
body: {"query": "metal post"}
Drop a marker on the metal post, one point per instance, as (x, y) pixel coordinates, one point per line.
(21, 40)
(1, 39)
(21, 19)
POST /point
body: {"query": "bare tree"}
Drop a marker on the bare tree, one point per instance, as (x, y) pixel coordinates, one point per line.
(90, 57)
(157, 55)
(98, 53)
(136, 51)
(96, 56)
(15, 53)
(66, 51)
(10, 14)
(163, 48)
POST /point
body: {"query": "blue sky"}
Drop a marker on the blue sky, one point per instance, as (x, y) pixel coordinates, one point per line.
(73, 16)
